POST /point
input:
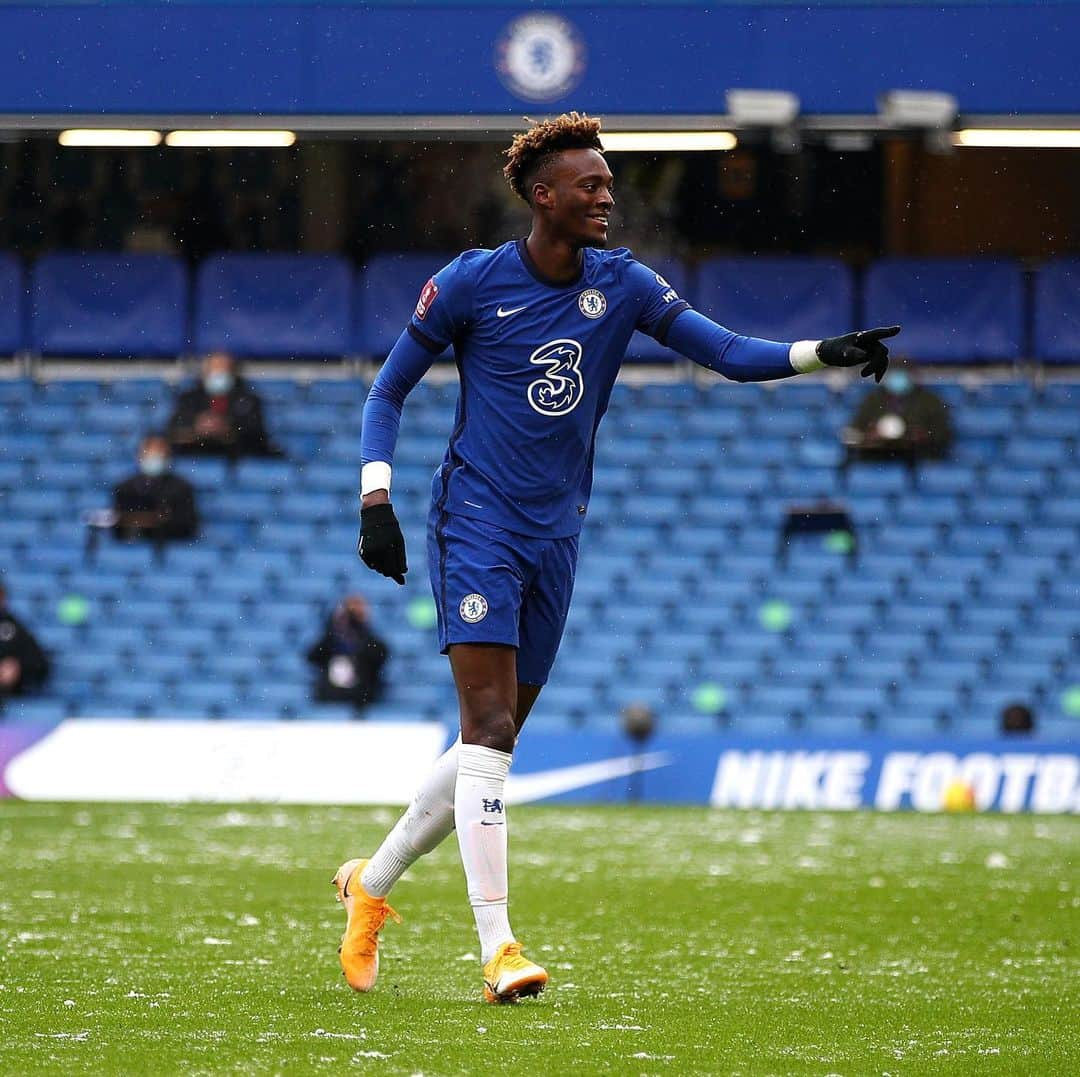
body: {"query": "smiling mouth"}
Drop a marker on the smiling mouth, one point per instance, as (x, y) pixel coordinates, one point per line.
(599, 217)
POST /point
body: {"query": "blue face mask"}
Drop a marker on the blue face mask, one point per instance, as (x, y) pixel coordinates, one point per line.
(898, 381)
(153, 465)
(218, 383)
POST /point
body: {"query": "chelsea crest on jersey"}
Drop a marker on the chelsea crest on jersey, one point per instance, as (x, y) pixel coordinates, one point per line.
(537, 360)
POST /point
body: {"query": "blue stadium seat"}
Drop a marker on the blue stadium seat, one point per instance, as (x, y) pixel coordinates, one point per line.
(955, 311)
(387, 291)
(1053, 729)
(273, 305)
(1056, 314)
(1018, 480)
(110, 418)
(109, 305)
(974, 724)
(200, 693)
(827, 723)
(747, 723)
(325, 712)
(36, 709)
(853, 699)
(790, 298)
(781, 698)
(910, 725)
(123, 692)
(389, 711)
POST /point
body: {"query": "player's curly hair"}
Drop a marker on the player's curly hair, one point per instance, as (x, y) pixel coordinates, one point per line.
(532, 151)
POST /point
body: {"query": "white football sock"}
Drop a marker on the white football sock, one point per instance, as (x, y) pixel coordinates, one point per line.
(426, 822)
(480, 813)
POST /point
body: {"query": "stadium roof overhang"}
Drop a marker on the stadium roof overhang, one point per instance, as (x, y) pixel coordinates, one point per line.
(836, 131)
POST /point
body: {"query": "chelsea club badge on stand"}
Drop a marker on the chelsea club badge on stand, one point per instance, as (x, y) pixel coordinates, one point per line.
(540, 57)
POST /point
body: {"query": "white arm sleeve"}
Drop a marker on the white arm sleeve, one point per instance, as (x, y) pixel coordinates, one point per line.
(803, 356)
(374, 476)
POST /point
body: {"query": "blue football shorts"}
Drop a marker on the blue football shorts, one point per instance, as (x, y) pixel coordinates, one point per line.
(496, 586)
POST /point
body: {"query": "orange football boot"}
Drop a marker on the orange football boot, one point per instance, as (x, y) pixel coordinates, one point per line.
(365, 916)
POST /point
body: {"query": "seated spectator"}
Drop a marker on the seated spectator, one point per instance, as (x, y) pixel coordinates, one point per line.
(24, 666)
(221, 415)
(899, 420)
(1017, 720)
(349, 657)
(154, 504)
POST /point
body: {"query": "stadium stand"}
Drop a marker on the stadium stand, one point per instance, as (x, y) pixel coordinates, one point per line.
(307, 306)
(1056, 317)
(273, 305)
(778, 298)
(12, 305)
(109, 305)
(963, 594)
(386, 292)
(952, 311)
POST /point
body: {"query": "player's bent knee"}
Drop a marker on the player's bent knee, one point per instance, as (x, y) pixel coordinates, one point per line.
(489, 728)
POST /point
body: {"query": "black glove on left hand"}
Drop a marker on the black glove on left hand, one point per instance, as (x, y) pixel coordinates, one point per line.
(381, 546)
(855, 349)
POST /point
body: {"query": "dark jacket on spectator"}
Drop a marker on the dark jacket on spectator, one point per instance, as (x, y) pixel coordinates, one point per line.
(240, 405)
(168, 495)
(16, 641)
(349, 657)
(926, 430)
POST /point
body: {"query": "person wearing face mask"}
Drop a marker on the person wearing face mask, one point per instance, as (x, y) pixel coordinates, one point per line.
(154, 503)
(221, 415)
(899, 420)
(349, 657)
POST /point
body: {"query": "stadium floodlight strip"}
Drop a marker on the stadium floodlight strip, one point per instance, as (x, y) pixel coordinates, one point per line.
(1032, 138)
(230, 138)
(95, 136)
(666, 141)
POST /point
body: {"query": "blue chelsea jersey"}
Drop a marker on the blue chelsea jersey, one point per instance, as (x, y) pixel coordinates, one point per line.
(537, 361)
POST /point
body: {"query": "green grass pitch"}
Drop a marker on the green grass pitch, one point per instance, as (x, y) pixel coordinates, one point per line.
(201, 940)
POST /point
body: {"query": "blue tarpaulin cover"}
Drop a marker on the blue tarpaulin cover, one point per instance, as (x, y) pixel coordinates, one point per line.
(273, 305)
(109, 305)
(952, 310)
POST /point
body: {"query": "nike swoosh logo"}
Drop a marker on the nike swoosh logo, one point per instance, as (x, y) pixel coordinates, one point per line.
(500, 313)
(522, 788)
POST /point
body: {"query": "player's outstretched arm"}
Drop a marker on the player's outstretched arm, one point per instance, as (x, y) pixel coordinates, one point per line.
(743, 358)
(381, 545)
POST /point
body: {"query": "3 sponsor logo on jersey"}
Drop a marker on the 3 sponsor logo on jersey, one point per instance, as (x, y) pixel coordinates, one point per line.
(592, 303)
(560, 390)
(473, 608)
(427, 297)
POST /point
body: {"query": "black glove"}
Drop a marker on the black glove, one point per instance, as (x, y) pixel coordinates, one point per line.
(854, 349)
(382, 546)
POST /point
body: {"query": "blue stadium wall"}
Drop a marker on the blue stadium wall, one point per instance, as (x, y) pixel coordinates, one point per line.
(269, 57)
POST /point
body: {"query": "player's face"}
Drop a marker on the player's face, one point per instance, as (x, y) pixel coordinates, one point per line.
(582, 197)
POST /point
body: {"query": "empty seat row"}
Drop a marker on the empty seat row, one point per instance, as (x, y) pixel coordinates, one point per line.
(300, 305)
